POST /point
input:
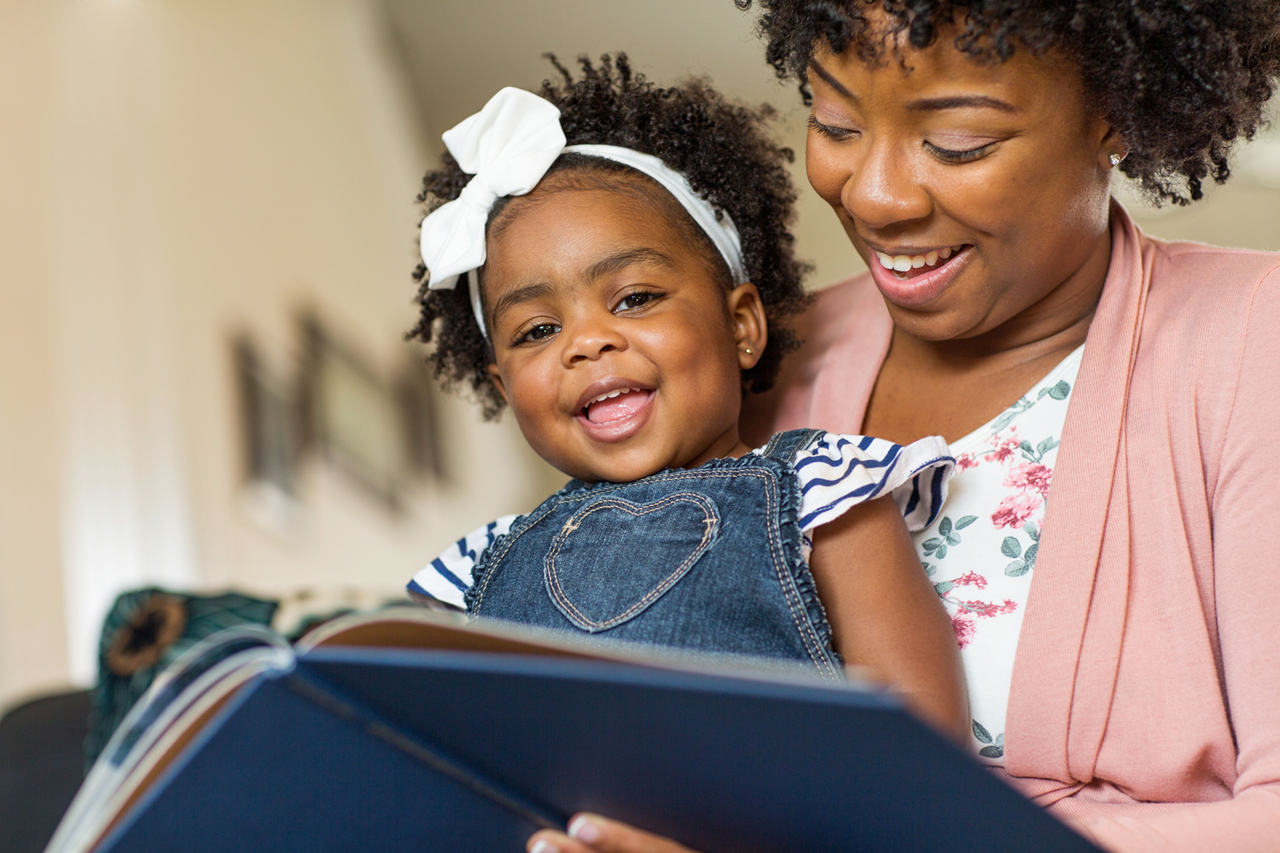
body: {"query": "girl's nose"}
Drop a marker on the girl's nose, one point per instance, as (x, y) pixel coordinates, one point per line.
(591, 337)
(882, 188)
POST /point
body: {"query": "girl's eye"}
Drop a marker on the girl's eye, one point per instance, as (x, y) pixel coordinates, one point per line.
(836, 133)
(538, 333)
(968, 155)
(637, 299)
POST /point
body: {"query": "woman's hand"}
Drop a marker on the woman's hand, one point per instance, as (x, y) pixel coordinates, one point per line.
(590, 833)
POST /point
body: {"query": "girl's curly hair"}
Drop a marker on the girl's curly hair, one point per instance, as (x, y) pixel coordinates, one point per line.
(723, 149)
(1179, 80)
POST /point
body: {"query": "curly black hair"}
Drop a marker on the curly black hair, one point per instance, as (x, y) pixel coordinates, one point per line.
(725, 151)
(1179, 80)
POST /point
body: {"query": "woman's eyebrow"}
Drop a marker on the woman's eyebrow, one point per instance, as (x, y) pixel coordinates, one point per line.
(960, 102)
(624, 259)
(830, 80)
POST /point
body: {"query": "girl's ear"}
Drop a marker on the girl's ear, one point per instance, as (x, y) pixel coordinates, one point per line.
(497, 382)
(750, 328)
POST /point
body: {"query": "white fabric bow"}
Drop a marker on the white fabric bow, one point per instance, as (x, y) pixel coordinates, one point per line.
(508, 146)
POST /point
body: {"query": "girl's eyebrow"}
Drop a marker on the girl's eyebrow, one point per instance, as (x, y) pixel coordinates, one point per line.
(515, 297)
(624, 259)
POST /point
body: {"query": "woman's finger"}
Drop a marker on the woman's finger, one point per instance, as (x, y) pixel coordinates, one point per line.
(591, 833)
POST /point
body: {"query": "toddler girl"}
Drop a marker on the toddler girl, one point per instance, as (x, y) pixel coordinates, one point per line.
(611, 260)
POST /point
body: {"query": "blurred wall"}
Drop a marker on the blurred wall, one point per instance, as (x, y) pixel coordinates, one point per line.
(176, 174)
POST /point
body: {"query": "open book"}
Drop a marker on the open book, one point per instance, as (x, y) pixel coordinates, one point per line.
(411, 730)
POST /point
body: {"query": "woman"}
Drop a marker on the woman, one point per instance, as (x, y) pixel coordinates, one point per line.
(968, 150)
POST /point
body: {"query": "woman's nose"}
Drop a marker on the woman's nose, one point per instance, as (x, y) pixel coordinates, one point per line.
(883, 189)
(591, 337)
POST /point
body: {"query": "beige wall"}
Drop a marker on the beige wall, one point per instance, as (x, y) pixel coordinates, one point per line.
(175, 174)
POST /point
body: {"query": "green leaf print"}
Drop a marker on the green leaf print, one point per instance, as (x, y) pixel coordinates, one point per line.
(991, 752)
(935, 547)
(1030, 556)
(1011, 547)
(1045, 446)
(944, 527)
(944, 587)
(929, 569)
(1027, 449)
(1032, 530)
(965, 521)
(981, 733)
(1060, 391)
(1017, 568)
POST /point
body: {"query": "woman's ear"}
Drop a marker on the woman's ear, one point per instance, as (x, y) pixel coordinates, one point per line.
(1113, 150)
(750, 327)
(497, 382)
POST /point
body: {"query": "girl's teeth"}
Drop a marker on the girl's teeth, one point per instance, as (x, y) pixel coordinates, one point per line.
(611, 395)
(904, 263)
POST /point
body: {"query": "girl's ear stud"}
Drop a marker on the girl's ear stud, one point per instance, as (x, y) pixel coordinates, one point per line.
(747, 350)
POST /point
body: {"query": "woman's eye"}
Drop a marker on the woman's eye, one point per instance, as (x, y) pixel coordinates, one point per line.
(636, 300)
(964, 155)
(836, 133)
(538, 332)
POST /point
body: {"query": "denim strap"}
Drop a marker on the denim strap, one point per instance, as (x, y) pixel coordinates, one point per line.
(784, 446)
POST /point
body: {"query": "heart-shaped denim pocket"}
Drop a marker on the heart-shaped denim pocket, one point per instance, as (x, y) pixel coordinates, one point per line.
(614, 558)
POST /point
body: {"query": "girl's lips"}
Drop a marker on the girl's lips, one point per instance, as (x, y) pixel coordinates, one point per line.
(914, 291)
(623, 420)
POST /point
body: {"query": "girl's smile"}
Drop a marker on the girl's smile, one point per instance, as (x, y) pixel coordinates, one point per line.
(617, 340)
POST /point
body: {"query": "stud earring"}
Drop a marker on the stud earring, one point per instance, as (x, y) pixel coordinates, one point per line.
(747, 350)
(1116, 159)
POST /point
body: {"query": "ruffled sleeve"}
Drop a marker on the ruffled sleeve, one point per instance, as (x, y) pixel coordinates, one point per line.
(448, 576)
(837, 472)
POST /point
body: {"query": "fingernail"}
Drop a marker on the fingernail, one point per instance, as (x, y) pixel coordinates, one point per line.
(543, 846)
(584, 829)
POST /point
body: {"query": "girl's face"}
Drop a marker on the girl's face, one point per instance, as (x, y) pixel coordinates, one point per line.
(615, 343)
(988, 183)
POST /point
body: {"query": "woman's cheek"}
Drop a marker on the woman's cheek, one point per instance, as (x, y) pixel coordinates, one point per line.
(827, 174)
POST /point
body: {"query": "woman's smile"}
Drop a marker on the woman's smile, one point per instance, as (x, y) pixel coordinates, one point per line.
(914, 280)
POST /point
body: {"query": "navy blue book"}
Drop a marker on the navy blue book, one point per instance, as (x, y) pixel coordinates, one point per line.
(411, 731)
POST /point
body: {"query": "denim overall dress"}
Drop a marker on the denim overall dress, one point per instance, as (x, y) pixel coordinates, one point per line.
(707, 559)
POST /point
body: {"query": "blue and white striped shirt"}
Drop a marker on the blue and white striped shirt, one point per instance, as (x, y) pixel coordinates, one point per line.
(836, 472)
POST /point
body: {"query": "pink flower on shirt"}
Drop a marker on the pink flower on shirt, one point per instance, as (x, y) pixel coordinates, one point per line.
(965, 461)
(1004, 448)
(1030, 476)
(1014, 510)
(962, 624)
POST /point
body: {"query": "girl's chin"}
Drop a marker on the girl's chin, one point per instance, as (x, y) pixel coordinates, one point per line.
(919, 288)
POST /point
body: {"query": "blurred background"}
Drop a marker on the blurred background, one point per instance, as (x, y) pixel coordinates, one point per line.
(207, 230)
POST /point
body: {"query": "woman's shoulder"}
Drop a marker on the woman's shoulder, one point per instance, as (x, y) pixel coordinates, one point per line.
(1209, 278)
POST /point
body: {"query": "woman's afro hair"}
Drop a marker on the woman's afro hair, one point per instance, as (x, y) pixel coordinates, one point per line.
(1179, 80)
(723, 149)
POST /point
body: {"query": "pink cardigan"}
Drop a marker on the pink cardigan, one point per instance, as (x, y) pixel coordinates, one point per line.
(1146, 689)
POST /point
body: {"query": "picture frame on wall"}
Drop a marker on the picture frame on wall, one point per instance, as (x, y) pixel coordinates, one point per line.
(353, 415)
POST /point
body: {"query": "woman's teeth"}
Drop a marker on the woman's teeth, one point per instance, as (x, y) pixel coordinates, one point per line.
(906, 263)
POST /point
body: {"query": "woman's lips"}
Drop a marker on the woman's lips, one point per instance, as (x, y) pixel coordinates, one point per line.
(617, 417)
(920, 284)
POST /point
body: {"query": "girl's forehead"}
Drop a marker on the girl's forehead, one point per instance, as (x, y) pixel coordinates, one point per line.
(565, 218)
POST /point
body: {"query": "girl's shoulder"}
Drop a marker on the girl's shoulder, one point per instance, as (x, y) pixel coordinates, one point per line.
(838, 471)
(447, 577)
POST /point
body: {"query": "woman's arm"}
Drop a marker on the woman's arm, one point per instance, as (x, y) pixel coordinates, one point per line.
(1245, 507)
(885, 615)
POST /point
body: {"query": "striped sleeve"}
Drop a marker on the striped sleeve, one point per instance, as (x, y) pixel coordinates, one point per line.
(448, 576)
(841, 471)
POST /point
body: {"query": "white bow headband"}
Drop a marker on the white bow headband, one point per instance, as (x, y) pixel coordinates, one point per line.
(508, 146)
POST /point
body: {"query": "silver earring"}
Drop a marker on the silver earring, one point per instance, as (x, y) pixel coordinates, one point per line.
(1116, 159)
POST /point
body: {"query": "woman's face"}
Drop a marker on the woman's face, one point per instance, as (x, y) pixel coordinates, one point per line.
(976, 193)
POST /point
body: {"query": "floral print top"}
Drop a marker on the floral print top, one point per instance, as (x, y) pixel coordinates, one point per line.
(980, 552)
